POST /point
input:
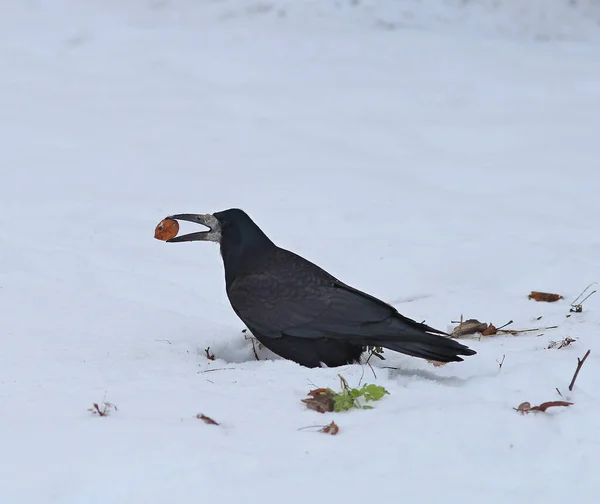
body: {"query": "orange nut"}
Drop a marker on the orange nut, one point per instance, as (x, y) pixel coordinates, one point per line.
(166, 229)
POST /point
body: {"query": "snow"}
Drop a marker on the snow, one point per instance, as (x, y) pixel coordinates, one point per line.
(442, 156)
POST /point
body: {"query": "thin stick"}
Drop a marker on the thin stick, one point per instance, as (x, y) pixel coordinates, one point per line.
(374, 374)
(254, 349)
(312, 427)
(362, 374)
(579, 365)
(577, 306)
(516, 331)
(501, 362)
(507, 324)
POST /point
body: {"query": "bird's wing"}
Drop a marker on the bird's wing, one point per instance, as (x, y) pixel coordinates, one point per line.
(305, 304)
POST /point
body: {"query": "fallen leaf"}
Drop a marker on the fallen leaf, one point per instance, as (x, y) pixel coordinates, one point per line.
(491, 330)
(471, 326)
(526, 407)
(320, 400)
(332, 429)
(206, 419)
(544, 296)
(549, 404)
(523, 407)
(166, 229)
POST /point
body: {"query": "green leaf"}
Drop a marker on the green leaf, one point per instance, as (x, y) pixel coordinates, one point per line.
(349, 398)
(342, 402)
(373, 392)
(355, 392)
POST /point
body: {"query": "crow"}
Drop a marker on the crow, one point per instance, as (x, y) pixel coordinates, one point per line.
(301, 312)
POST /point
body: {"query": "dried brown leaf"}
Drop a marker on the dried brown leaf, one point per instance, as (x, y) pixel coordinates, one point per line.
(206, 419)
(526, 407)
(549, 404)
(544, 296)
(471, 326)
(523, 407)
(320, 400)
(491, 330)
(332, 429)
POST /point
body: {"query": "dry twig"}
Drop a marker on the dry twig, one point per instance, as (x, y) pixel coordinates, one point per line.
(474, 326)
(104, 411)
(254, 348)
(501, 362)
(565, 342)
(515, 332)
(579, 365)
(577, 307)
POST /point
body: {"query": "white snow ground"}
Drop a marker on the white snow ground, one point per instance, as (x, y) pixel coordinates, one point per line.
(440, 155)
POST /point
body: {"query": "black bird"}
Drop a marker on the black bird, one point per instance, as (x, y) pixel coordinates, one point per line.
(302, 313)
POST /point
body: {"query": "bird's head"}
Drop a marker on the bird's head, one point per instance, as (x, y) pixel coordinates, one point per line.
(233, 229)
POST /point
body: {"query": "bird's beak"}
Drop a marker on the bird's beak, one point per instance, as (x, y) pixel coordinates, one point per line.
(208, 220)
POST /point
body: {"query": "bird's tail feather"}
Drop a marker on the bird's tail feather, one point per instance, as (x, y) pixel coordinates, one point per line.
(430, 347)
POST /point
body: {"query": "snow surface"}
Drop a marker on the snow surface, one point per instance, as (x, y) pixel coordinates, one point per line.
(440, 155)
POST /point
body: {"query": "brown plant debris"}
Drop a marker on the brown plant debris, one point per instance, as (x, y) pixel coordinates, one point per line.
(331, 428)
(579, 365)
(565, 342)
(166, 229)
(490, 330)
(104, 410)
(320, 400)
(474, 326)
(501, 362)
(206, 419)
(577, 304)
(252, 340)
(516, 332)
(526, 407)
(544, 296)
(470, 326)
(209, 356)
(255, 343)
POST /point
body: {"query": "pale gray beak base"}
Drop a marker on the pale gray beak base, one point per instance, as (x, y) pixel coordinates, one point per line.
(208, 220)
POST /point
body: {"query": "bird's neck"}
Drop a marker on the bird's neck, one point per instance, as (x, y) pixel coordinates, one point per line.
(240, 255)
